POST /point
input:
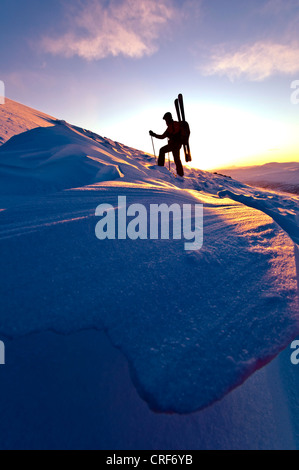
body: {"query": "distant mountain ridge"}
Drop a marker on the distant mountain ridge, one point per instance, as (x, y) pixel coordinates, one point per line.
(279, 176)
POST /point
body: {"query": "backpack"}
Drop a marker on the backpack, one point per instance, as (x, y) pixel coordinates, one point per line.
(179, 132)
(184, 132)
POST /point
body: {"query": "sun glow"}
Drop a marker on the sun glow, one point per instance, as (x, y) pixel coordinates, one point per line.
(226, 136)
(220, 136)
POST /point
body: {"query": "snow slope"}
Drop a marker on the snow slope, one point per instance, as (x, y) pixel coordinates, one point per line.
(181, 319)
(16, 118)
(56, 160)
(279, 176)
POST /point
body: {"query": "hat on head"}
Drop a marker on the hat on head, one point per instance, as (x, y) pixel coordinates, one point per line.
(167, 116)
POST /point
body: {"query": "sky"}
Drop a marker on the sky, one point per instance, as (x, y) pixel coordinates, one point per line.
(116, 66)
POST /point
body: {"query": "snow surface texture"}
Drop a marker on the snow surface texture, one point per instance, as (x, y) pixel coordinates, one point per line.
(192, 325)
(16, 118)
(279, 176)
(75, 392)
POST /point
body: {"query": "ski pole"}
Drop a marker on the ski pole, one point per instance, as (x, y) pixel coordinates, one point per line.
(169, 161)
(154, 148)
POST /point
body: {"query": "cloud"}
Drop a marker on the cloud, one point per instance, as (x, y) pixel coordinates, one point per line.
(273, 50)
(98, 29)
(255, 62)
(276, 7)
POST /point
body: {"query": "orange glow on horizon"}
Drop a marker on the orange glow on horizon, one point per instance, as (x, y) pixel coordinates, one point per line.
(221, 137)
(232, 137)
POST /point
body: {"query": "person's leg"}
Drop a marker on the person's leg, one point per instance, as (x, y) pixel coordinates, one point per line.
(177, 161)
(163, 152)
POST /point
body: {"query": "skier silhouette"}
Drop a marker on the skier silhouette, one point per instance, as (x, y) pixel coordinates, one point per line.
(173, 133)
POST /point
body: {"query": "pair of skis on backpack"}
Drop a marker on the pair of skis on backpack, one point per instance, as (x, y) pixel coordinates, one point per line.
(185, 129)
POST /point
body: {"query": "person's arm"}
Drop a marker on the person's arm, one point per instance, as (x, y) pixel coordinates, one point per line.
(157, 136)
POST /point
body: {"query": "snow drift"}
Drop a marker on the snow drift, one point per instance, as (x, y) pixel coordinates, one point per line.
(50, 159)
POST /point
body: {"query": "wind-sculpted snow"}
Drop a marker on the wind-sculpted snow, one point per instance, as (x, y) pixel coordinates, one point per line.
(16, 118)
(50, 159)
(285, 211)
(192, 325)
